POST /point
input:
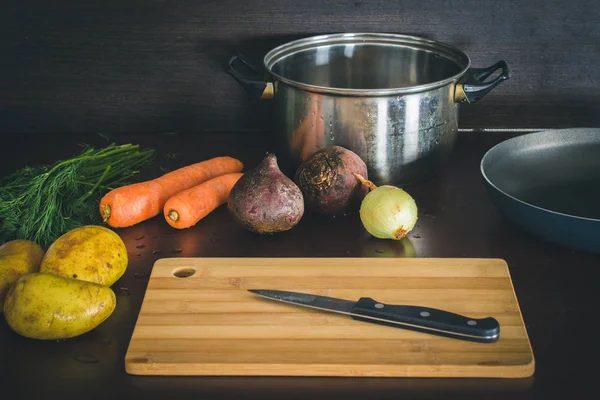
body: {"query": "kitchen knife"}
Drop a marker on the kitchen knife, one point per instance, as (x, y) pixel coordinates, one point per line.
(422, 319)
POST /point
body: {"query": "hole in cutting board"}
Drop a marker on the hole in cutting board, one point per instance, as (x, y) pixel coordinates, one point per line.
(184, 272)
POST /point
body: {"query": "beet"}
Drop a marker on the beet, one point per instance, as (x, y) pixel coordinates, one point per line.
(328, 183)
(264, 200)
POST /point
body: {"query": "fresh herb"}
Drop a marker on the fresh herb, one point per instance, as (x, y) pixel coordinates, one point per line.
(41, 203)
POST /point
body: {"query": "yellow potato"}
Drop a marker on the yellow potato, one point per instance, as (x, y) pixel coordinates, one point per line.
(46, 306)
(17, 258)
(90, 253)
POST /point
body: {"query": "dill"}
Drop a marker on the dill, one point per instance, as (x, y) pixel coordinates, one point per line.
(42, 203)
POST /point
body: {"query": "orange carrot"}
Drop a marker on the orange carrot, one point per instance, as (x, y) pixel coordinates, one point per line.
(131, 204)
(186, 208)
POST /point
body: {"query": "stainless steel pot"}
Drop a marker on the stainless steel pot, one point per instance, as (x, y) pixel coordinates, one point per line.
(392, 99)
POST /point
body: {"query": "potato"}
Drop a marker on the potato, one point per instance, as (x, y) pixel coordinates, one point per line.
(17, 258)
(46, 306)
(91, 253)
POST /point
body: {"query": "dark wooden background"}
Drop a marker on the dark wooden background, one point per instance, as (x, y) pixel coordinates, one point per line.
(158, 66)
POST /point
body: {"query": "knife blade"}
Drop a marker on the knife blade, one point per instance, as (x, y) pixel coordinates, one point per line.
(421, 319)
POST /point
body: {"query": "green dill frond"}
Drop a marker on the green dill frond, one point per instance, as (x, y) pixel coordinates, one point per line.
(42, 203)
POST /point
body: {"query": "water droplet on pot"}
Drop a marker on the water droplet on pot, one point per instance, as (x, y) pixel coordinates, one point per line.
(176, 251)
(141, 246)
(123, 291)
(86, 359)
(140, 237)
(380, 251)
(416, 236)
(157, 251)
(139, 275)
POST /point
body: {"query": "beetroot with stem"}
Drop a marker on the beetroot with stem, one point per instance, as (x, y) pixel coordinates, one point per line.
(264, 200)
(328, 183)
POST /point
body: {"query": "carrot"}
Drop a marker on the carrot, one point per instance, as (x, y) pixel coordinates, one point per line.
(186, 208)
(131, 204)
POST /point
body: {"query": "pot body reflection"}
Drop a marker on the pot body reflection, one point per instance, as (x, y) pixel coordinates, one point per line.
(403, 139)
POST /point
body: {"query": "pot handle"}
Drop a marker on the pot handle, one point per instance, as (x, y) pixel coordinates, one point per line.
(254, 84)
(473, 86)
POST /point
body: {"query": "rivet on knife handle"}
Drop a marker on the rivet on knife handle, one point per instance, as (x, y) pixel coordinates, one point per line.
(430, 320)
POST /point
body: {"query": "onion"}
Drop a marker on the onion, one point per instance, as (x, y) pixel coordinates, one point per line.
(387, 212)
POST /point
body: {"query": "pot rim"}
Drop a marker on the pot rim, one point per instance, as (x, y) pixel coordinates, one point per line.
(387, 39)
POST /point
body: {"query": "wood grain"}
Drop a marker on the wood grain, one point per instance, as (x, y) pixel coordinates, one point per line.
(156, 66)
(209, 324)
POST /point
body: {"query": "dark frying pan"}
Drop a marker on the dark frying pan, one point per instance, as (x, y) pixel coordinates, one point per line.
(548, 183)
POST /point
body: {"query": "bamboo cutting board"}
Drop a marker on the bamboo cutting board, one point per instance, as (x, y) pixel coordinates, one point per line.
(197, 318)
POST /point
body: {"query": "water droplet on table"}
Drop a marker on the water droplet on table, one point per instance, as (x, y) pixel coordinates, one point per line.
(86, 359)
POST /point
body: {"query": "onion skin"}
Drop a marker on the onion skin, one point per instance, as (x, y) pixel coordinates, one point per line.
(388, 212)
(328, 182)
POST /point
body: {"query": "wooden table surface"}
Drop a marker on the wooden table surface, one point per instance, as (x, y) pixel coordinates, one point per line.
(555, 286)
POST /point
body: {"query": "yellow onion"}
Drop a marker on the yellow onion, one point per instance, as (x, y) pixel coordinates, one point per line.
(387, 212)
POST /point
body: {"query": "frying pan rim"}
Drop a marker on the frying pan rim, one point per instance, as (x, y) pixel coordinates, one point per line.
(514, 138)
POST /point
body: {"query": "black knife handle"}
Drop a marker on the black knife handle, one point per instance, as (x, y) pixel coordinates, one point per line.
(429, 320)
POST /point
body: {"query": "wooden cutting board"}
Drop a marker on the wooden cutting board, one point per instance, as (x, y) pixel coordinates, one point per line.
(197, 318)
